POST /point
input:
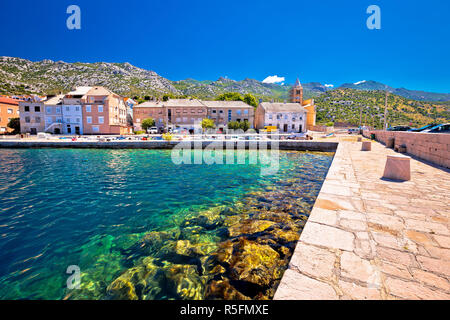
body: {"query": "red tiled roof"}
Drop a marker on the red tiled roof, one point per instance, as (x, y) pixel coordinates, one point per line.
(9, 101)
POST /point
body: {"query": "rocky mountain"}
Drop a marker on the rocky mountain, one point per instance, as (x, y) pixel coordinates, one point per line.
(18, 76)
(209, 89)
(47, 76)
(409, 94)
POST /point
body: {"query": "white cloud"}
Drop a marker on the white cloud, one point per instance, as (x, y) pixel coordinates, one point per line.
(329, 85)
(273, 79)
(359, 82)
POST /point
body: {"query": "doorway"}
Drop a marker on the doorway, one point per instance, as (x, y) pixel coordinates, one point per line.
(285, 128)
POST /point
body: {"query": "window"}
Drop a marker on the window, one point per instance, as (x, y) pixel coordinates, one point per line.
(27, 108)
(270, 117)
(101, 120)
(184, 119)
(37, 109)
(229, 115)
(58, 110)
(285, 117)
(278, 116)
(49, 110)
(200, 111)
(48, 120)
(37, 119)
(293, 119)
(220, 111)
(100, 108)
(214, 111)
(10, 111)
(67, 108)
(78, 120)
(293, 127)
(68, 120)
(178, 120)
(95, 129)
(138, 120)
(246, 111)
(88, 108)
(238, 112)
(27, 119)
(89, 119)
(77, 108)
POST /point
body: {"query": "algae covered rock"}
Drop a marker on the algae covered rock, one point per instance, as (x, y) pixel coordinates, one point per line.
(249, 226)
(222, 289)
(208, 219)
(140, 282)
(255, 263)
(187, 249)
(184, 282)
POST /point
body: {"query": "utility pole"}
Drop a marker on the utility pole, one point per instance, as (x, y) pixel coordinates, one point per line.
(385, 110)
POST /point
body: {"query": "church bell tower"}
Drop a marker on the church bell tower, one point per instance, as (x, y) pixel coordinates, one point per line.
(296, 92)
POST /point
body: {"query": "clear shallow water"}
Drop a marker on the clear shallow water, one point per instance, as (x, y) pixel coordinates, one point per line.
(92, 208)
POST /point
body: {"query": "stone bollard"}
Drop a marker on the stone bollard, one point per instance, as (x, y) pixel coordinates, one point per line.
(359, 139)
(366, 146)
(397, 167)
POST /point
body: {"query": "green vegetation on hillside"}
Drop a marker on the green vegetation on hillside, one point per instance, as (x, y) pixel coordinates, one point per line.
(350, 105)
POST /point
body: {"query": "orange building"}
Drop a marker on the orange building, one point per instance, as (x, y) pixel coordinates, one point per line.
(104, 112)
(9, 108)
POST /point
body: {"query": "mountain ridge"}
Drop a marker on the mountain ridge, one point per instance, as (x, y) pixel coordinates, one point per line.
(19, 76)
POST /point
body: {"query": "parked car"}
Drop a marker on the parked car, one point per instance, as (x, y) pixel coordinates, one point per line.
(153, 130)
(428, 126)
(353, 131)
(441, 128)
(399, 128)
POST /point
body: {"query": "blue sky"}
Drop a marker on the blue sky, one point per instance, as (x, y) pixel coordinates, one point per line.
(325, 41)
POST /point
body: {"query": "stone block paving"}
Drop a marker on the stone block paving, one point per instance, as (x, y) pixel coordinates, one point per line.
(369, 238)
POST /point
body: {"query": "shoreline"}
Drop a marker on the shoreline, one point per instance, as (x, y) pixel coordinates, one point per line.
(281, 144)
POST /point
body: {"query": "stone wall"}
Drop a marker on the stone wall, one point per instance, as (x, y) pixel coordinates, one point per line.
(432, 147)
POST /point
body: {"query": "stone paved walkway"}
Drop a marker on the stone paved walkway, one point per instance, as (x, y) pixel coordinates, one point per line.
(368, 238)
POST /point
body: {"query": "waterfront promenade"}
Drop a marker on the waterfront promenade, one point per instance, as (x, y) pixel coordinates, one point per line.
(368, 238)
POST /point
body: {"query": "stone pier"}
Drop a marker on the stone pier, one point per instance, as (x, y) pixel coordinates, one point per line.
(368, 238)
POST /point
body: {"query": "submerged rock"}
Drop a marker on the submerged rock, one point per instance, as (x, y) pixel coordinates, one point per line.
(208, 219)
(222, 289)
(255, 263)
(249, 226)
(184, 282)
(140, 282)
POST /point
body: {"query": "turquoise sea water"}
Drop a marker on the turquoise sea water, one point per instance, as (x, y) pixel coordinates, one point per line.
(61, 207)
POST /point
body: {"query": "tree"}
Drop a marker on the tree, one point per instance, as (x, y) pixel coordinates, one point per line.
(207, 124)
(250, 100)
(244, 125)
(230, 96)
(234, 125)
(147, 123)
(14, 123)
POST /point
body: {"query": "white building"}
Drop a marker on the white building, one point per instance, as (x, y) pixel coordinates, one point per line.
(287, 117)
(72, 111)
(53, 114)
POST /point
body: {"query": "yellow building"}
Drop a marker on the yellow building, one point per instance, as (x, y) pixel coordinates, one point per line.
(310, 113)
